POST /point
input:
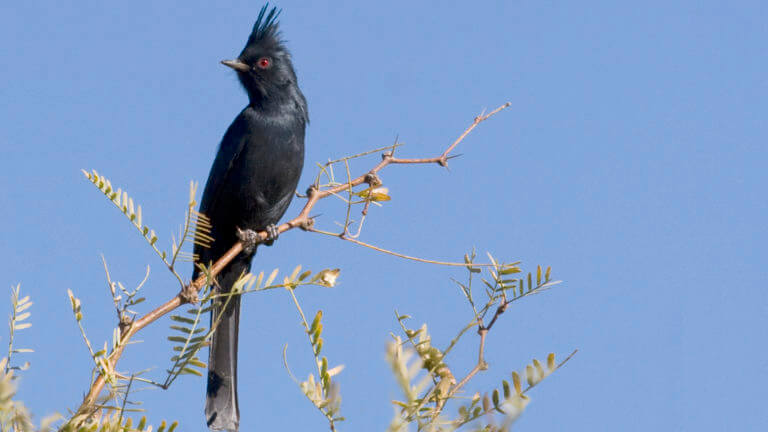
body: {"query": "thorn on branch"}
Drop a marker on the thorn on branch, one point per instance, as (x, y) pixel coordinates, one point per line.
(188, 294)
(373, 180)
(125, 323)
(306, 224)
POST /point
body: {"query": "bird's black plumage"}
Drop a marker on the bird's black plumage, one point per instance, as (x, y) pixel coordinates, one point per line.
(251, 183)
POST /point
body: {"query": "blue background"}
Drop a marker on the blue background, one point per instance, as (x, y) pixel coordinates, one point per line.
(632, 161)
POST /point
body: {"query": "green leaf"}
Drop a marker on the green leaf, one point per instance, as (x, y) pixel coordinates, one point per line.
(295, 273)
(22, 317)
(538, 275)
(195, 311)
(326, 381)
(271, 277)
(316, 321)
(493, 261)
(184, 320)
(196, 362)
(488, 284)
(305, 275)
(510, 270)
(486, 403)
(22, 305)
(259, 279)
(529, 375)
(318, 331)
(187, 330)
(190, 371)
(551, 362)
(516, 383)
(137, 301)
(507, 391)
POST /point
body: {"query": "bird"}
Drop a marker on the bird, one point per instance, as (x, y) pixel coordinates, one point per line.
(251, 183)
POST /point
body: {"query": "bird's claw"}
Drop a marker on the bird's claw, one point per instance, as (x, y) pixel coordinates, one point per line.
(249, 238)
(272, 234)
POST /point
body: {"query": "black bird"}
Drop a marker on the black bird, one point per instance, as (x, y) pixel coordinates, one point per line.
(252, 181)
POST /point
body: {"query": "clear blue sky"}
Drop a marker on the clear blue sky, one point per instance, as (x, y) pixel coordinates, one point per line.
(632, 161)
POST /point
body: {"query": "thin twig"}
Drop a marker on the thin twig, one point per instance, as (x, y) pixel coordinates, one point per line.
(399, 255)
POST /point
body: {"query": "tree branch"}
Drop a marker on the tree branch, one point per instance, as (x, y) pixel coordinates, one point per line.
(189, 293)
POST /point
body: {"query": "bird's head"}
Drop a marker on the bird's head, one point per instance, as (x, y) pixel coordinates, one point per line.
(264, 66)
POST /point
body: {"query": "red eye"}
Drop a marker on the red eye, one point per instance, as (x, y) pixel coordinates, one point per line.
(263, 63)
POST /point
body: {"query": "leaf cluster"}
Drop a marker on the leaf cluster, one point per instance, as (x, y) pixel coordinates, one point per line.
(428, 382)
(323, 391)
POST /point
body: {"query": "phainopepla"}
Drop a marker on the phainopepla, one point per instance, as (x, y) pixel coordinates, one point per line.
(252, 181)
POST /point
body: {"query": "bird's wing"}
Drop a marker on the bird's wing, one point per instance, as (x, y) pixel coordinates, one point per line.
(230, 149)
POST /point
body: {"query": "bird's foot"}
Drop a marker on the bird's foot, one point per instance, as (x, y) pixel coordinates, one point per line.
(272, 234)
(249, 238)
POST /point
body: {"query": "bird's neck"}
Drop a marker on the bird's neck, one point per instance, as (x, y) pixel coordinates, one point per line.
(288, 102)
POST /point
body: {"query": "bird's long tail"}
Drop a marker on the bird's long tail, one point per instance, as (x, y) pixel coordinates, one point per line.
(221, 409)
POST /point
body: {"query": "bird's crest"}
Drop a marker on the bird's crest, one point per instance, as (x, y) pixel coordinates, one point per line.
(266, 26)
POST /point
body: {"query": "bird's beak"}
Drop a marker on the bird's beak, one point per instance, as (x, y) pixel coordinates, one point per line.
(236, 65)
